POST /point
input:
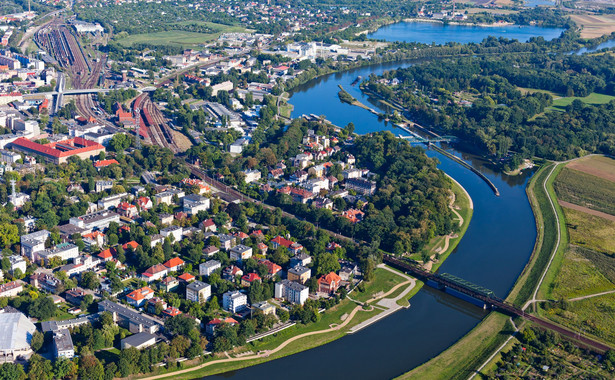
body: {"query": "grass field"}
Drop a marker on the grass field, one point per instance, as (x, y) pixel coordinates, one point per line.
(560, 104)
(180, 37)
(595, 316)
(382, 282)
(590, 231)
(586, 190)
(578, 276)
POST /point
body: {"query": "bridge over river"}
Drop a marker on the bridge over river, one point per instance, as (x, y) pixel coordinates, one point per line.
(478, 295)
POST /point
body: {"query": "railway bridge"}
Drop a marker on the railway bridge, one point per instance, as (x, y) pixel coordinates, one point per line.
(468, 291)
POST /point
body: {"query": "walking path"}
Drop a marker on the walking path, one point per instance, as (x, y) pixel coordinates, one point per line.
(591, 296)
(390, 304)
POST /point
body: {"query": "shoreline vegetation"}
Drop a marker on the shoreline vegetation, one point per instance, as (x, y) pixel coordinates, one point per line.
(472, 24)
(461, 359)
(345, 97)
(345, 318)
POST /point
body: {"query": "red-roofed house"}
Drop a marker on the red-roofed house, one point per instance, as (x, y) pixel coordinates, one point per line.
(144, 203)
(131, 244)
(353, 215)
(293, 247)
(154, 273)
(171, 312)
(248, 279)
(174, 264)
(258, 234)
(104, 163)
(262, 247)
(128, 210)
(209, 225)
(214, 323)
(95, 238)
(58, 152)
(107, 254)
(329, 283)
(272, 267)
(137, 298)
(186, 278)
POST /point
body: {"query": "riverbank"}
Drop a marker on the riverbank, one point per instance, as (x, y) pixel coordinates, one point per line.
(388, 293)
(347, 98)
(481, 25)
(476, 347)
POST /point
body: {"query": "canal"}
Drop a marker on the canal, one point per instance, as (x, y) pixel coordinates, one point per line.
(493, 252)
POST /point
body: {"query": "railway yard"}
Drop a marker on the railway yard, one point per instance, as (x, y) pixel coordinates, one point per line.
(62, 44)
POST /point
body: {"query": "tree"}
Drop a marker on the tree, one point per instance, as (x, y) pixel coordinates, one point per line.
(39, 368)
(89, 280)
(11, 371)
(120, 142)
(327, 262)
(37, 340)
(179, 324)
(91, 368)
(42, 308)
(9, 234)
(63, 368)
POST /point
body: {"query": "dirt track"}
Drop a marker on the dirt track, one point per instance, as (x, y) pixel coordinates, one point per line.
(587, 210)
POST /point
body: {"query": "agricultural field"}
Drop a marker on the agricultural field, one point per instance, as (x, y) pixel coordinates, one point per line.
(600, 166)
(594, 25)
(585, 190)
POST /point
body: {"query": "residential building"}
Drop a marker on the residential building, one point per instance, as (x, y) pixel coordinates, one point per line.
(210, 328)
(10, 289)
(210, 251)
(63, 344)
(153, 302)
(272, 268)
(128, 210)
(299, 274)
(101, 186)
(194, 203)
(240, 252)
(293, 248)
(74, 296)
(231, 273)
(234, 301)
(138, 297)
(329, 283)
(165, 219)
(166, 196)
(208, 267)
(291, 291)
(168, 284)
(99, 220)
(186, 278)
(81, 264)
(112, 201)
(208, 225)
(226, 241)
(361, 186)
(63, 251)
(198, 291)
(265, 307)
(154, 273)
(129, 318)
(300, 259)
(46, 282)
(17, 262)
(251, 176)
(33, 243)
(175, 231)
(174, 264)
(248, 279)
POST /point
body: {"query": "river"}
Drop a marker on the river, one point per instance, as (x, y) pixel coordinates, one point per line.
(496, 247)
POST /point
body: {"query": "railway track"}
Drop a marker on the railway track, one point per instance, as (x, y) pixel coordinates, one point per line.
(156, 124)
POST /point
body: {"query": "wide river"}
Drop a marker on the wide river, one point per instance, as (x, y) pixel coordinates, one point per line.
(493, 252)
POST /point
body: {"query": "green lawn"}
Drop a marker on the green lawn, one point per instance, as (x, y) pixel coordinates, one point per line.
(560, 104)
(180, 37)
(383, 281)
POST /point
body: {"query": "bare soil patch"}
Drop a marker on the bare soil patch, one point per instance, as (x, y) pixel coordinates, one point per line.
(595, 26)
(587, 210)
(599, 166)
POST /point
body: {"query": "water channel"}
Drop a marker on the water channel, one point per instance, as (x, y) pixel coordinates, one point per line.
(493, 252)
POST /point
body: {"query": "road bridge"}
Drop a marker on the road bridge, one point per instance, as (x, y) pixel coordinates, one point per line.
(460, 286)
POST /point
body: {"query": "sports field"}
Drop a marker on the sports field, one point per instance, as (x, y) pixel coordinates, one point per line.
(180, 37)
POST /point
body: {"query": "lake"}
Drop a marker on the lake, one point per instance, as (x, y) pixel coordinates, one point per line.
(440, 34)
